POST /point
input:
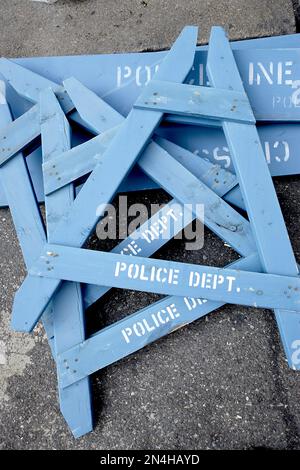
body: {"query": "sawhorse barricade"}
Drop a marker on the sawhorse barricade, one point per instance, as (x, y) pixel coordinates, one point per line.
(262, 278)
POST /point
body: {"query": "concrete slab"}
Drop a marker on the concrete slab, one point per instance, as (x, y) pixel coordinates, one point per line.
(220, 383)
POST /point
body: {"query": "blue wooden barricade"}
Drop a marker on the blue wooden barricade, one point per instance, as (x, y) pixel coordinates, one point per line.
(58, 266)
(104, 161)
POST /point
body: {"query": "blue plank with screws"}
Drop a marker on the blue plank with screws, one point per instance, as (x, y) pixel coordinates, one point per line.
(257, 188)
(68, 310)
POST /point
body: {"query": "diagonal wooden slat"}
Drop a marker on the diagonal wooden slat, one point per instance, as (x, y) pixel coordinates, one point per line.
(24, 208)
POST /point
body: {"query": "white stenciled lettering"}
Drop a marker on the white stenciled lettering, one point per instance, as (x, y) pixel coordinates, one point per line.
(126, 332)
(151, 323)
(192, 302)
(123, 73)
(159, 227)
(278, 150)
(132, 249)
(210, 281)
(270, 73)
(141, 75)
(281, 150)
(147, 273)
(139, 329)
(222, 155)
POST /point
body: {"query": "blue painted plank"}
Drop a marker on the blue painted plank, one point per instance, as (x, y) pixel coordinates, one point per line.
(282, 145)
(68, 311)
(16, 135)
(266, 73)
(102, 116)
(277, 87)
(265, 86)
(30, 85)
(137, 330)
(260, 198)
(136, 180)
(23, 206)
(189, 100)
(103, 183)
(279, 141)
(168, 277)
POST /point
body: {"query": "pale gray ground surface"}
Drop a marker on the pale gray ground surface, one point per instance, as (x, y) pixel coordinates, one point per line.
(220, 383)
